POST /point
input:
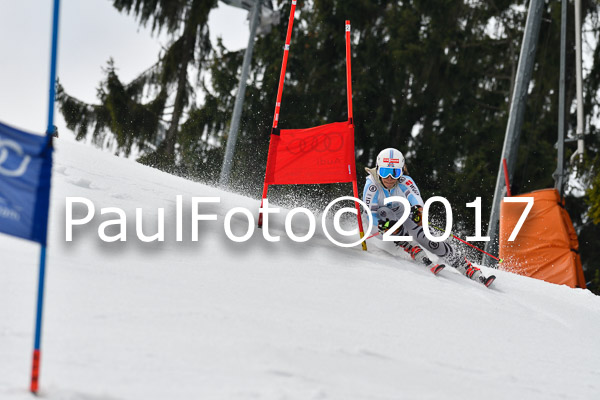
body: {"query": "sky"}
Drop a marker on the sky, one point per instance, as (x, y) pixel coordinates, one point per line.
(90, 32)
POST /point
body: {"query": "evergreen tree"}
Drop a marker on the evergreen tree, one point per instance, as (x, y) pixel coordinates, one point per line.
(121, 107)
(432, 78)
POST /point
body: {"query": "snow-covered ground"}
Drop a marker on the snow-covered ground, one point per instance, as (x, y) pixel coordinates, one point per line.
(215, 319)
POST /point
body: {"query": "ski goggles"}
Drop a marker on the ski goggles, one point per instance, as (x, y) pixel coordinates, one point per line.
(384, 172)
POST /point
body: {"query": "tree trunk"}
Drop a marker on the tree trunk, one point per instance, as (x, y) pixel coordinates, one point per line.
(166, 149)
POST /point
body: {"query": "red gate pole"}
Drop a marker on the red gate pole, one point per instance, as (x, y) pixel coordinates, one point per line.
(349, 73)
(351, 121)
(286, 51)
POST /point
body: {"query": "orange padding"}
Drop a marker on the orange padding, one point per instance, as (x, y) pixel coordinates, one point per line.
(546, 247)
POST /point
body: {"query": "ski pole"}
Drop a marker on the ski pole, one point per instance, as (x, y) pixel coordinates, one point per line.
(455, 237)
(475, 247)
(373, 235)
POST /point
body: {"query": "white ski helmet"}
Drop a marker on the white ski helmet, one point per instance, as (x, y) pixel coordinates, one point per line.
(390, 163)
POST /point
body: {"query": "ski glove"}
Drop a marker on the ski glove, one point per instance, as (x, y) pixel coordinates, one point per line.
(385, 226)
(416, 214)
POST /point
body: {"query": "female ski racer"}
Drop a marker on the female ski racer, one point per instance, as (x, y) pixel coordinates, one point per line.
(390, 178)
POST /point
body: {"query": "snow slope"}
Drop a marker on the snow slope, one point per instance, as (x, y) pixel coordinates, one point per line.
(215, 319)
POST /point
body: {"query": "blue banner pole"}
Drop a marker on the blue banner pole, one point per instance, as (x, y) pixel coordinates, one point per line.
(35, 368)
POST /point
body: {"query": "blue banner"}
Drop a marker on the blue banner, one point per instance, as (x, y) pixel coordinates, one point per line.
(25, 172)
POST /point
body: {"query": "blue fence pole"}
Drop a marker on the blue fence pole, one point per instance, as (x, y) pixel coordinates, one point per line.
(35, 368)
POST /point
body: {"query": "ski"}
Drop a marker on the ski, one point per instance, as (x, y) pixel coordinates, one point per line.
(487, 281)
(417, 254)
(434, 268)
(437, 268)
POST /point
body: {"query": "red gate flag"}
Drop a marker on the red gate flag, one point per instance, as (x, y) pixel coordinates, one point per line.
(323, 154)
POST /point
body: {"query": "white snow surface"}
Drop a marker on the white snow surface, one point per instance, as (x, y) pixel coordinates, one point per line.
(215, 319)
